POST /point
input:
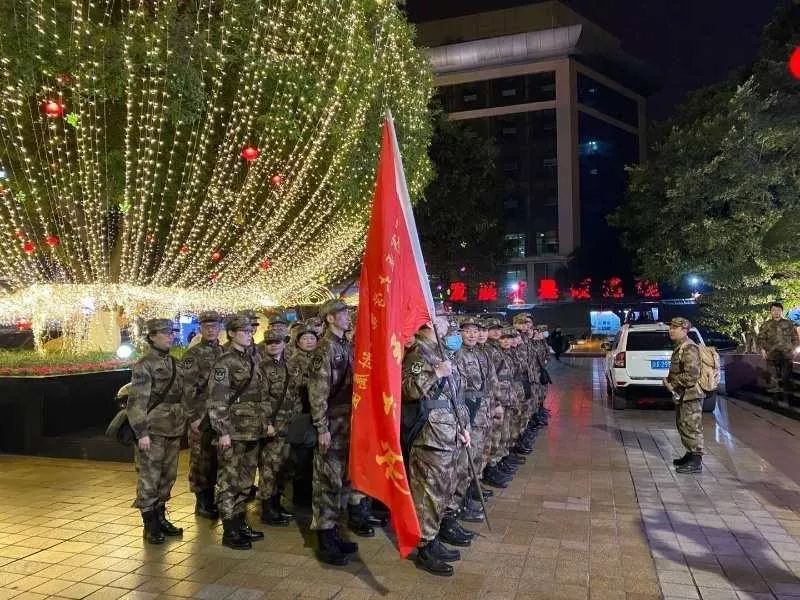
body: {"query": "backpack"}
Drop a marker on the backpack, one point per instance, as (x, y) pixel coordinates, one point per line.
(710, 368)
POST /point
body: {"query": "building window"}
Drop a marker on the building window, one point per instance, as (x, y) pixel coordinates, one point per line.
(602, 98)
(541, 87)
(515, 245)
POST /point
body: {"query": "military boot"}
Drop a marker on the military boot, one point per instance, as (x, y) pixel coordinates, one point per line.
(426, 559)
(276, 504)
(508, 466)
(444, 553)
(471, 513)
(450, 533)
(358, 520)
(516, 459)
(373, 518)
(232, 535)
(152, 528)
(472, 492)
(166, 527)
(344, 545)
(693, 465)
(493, 477)
(327, 549)
(204, 506)
(682, 460)
(247, 532)
(270, 516)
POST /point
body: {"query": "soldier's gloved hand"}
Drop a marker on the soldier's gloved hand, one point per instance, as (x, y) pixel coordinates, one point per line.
(444, 369)
(144, 443)
(195, 425)
(224, 442)
(324, 441)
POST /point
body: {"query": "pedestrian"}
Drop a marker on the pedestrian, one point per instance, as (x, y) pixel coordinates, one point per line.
(778, 341)
(431, 435)
(157, 415)
(283, 405)
(682, 382)
(238, 414)
(196, 365)
(557, 343)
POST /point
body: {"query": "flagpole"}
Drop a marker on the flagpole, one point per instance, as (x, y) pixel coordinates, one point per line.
(460, 430)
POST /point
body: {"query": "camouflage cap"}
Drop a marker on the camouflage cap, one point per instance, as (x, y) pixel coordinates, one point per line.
(332, 307)
(470, 321)
(303, 330)
(238, 322)
(313, 322)
(209, 316)
(509, 332)
(158, 325)
(680, 322)
(494, 324)
(520, 319)
(453, 328)
(272, 336)
(250, 315)
(278, 319)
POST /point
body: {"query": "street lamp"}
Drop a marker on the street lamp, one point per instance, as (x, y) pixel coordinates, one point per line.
(694, 280)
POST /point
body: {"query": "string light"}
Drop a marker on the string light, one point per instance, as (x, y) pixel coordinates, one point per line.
(196, 140)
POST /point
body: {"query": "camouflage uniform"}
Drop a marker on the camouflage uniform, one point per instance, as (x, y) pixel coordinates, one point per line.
(158, 467)
(684, 373)
(196, 365)
(433, 455)
(330, 393)
(505, 395)
(779, 339)
(242, 415)
(284, 404)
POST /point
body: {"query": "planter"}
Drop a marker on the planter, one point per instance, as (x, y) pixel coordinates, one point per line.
(747, 378)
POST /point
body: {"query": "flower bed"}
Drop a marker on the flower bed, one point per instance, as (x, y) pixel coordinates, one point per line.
(24, 363)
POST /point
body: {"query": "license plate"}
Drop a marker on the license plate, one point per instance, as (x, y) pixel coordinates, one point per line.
(659, 364)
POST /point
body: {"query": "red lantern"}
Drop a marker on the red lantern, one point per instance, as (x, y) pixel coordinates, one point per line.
(183, 249)
(250, 153)
(53, 109)
(794, 63)
(28, 247)
(52, 240)
(264, 264)
(276, 180)
(213, 276)
(216, 256)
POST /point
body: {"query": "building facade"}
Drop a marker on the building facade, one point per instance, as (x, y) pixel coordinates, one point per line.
(566, 108)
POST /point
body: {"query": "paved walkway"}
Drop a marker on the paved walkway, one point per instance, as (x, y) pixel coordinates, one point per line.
(596, 513)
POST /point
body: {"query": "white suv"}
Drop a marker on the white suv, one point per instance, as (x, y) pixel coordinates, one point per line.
(637, 360)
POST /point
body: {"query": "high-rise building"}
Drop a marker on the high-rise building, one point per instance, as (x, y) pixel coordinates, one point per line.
(567, 109)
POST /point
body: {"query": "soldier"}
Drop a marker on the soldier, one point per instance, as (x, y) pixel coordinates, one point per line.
(330, 392)
(196, 364)
(280, 324)
(157, 416)
(682, 381)
(316, 325)
(778, 341)
(238, 414)
(480, 379)
(283, 404)
(431, 436)
(301, 464)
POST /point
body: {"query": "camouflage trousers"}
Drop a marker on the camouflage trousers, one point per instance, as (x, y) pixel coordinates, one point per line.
(157, 470)
(496, 451)
(272, 460)
(518, 415)
(480, 436)
(202, 461)
(237, 470)
(329, 481)
(689, 419)
(432, 471)
(503, 447)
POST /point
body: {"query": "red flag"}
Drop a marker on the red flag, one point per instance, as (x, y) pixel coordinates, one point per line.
(394, 301)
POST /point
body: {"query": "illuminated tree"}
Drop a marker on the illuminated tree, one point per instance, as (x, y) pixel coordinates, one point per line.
(195, 153)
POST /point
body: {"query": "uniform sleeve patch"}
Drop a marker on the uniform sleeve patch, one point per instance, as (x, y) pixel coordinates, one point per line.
(416, 368)
(219, 374)
(316, 362)
(187, 363)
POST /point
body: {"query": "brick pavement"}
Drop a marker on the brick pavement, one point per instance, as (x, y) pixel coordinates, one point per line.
(596, 513)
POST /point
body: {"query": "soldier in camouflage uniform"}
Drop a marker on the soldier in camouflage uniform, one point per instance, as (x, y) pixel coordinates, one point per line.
(157, 415)
(316, 325)
(778, 341)
(300, 466)
(284, 404)
(541, 354)
(682, 381)
(431, 436)
(238, 412)
(330, 392)
(196, 364)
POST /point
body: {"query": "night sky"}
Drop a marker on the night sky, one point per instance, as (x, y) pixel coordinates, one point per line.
(688, 43)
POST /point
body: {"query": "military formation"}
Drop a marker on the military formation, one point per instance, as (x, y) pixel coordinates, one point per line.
(472, 406)
(473, 401)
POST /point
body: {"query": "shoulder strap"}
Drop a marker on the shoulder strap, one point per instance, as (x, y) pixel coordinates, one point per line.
(283, 395)
(161, 396)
